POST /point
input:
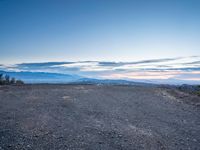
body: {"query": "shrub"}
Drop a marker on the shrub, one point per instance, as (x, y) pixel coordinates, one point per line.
(12, 81)
(1, 79)
(6, 80)
(19, 82)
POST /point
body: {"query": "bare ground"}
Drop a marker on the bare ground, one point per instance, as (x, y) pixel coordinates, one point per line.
(98, 117)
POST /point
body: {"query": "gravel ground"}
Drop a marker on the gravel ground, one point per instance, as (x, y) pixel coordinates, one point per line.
(92, 117)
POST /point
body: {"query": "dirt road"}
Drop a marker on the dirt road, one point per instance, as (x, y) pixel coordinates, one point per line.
(53, 117)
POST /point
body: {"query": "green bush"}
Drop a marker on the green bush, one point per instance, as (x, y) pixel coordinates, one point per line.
(12, 81)
(1, 79)
(6, 80)
(19, 82)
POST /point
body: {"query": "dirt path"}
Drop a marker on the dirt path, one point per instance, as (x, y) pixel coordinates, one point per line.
(96, 117)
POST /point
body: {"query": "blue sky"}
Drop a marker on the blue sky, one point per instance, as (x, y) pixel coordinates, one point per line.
(103, 30)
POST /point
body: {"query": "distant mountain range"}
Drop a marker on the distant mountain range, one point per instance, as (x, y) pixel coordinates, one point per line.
(42, 77)
(45, 77)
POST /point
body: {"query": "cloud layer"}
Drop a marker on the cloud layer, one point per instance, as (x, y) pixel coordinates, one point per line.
(181, 68)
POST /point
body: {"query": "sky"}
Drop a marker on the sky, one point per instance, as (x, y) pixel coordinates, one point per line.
(103, 30)
(109, 39)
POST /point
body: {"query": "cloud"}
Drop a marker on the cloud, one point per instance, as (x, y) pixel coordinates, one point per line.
(192, 63)
(168, 68)
(156, 60)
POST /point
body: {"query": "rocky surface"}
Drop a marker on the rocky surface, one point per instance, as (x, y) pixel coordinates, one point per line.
(45, 117)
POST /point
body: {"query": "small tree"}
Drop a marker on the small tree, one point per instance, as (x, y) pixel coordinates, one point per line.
(19, 82)
(7, 79)
(12, 81)
(1, 79)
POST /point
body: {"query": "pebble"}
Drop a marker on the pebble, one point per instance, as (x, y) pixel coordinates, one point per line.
(100, 142)
(29, 146)
(195, 140)
(120, 135)
(9, 145)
